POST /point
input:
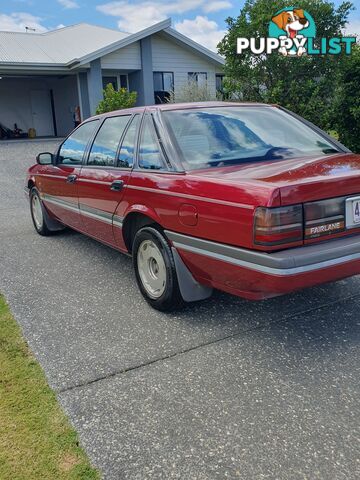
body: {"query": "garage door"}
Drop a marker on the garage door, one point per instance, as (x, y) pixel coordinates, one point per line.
(41, 112)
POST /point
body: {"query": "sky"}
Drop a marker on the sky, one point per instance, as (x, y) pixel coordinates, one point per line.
(201, 20)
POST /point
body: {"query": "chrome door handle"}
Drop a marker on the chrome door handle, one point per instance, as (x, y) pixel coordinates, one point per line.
(117, 185)
(71, 178)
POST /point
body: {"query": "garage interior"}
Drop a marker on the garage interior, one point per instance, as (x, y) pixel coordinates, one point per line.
(45, 103)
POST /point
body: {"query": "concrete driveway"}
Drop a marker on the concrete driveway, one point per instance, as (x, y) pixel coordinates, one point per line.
(224, 389)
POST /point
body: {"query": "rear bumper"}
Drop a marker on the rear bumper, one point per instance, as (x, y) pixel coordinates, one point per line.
(258, 275)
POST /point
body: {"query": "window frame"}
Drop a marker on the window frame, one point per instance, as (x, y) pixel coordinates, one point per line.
(222, 76)
(114, 77)
(138, 127)
(167, 164)
(86, 159)
(162, 80)
(194, 76)
(86, 149)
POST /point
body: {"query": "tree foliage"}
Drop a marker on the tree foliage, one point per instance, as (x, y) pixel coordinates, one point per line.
(308, 85)
(346, 117)
(116, 99)
(191, 91)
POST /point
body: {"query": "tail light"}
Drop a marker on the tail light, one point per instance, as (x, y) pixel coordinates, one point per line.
(325, 217)
(275, 226)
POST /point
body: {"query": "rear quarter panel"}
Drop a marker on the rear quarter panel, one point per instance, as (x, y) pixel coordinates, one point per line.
(224, 212)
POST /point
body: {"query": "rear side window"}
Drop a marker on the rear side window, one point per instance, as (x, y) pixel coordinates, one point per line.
(104, 149)
(150, 156)
(127, 150)
(72, 150)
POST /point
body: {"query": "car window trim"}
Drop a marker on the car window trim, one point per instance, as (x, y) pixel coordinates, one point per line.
(135, 142)
(87, 156)
(146, 115)
(86, 147)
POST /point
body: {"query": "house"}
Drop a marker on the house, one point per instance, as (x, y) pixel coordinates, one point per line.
(45, 77)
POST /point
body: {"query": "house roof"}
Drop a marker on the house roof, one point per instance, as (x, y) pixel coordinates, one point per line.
(76, 45)
(57, 46)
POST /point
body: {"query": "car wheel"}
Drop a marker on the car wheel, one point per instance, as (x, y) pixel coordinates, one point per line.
(37, 214)
(155, 270)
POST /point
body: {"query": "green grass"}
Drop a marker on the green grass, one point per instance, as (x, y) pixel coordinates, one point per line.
(36, 439)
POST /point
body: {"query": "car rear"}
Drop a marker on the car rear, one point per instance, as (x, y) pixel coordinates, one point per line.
(304, 225)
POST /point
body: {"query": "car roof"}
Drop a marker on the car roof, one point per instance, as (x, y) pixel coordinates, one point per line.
(181, 106)
(193, 105)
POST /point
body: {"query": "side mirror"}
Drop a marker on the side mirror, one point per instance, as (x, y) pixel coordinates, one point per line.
(45, 158)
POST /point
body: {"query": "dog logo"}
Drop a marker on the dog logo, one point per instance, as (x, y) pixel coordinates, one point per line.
(295, 24)
(292, 32)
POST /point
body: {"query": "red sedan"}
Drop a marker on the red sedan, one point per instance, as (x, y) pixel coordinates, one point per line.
(246, 198)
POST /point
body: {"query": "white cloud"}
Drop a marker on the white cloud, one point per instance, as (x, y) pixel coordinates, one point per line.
(201, 30)
(16, 22)
(353, 27)
(68, 4)
(137, 16)
(216, 6)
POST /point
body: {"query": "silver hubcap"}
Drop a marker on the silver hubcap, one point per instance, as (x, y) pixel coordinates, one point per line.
(151, 268)
(37, 211)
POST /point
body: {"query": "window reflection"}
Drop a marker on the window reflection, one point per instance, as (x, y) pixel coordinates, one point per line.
(103, 151)
(149, 154)
(72, 150)
(126, 156)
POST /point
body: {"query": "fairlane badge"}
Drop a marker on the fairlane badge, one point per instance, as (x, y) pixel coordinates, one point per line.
(324, 229)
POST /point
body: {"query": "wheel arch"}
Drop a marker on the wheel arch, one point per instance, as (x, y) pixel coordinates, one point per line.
(31, 183)
(135, 219)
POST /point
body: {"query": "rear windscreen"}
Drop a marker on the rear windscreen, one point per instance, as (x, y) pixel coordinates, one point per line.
(221, 136)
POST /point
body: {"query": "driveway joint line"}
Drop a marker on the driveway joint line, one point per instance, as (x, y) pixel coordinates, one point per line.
(205, 344)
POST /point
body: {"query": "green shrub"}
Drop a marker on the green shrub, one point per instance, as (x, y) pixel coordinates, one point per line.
(116, 99)
(191, 92)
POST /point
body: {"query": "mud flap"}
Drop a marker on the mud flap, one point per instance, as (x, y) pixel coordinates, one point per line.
(52, 224)
(190, 289)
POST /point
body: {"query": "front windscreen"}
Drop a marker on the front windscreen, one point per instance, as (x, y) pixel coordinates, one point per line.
(220, 136)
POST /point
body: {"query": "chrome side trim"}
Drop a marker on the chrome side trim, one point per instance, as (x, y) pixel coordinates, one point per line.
(96, 215)
(72, 206)
(85, 210)
(118, 221)
(289, 262)
(192, 197)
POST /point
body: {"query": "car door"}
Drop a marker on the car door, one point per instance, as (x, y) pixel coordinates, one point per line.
(105, 175)
(59, 188)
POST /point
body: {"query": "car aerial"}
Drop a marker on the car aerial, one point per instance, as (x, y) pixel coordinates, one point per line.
(250, 199)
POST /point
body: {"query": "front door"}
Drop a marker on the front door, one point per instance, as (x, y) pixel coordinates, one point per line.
(59, 187)
(42, 112)
(105, 175)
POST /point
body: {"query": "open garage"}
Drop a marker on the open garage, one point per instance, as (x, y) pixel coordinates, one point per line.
(46, 103)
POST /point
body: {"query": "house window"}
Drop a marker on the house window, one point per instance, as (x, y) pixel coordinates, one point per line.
(163, 86)
(112, 80)
(219, 83)
(124, 82)
(199, 77)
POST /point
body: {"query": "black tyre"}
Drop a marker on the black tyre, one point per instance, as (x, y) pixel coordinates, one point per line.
(155, 270)
(38, 214)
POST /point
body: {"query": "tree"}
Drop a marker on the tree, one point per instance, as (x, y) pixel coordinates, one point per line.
(306, 84)
(116, 100)
(346, 112)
